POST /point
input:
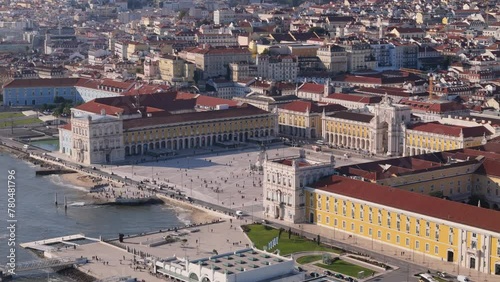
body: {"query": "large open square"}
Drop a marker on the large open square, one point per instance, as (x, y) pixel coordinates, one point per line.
(224, 178)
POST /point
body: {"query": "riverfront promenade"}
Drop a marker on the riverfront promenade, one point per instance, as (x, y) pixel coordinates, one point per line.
(412, 261)
(193, 242)
(219, 176)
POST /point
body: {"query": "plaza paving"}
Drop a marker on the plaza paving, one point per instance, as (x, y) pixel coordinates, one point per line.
(222, 178)
(113, 261)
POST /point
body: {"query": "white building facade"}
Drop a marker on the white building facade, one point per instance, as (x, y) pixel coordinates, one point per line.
(284, 182)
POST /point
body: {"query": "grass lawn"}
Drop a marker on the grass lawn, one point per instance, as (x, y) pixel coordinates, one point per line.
(440, 279)
(308, 259)
(7, 115)
(6, 123)
(341, 266)
(260, 235)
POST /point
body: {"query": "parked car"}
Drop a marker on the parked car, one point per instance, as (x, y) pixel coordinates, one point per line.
(327, 272)
(314, 274)
(339, 276)
(462, 278)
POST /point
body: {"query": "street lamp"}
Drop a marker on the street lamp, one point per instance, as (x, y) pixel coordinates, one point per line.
(252, 213)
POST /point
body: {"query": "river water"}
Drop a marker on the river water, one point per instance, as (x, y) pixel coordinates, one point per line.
(38, 217)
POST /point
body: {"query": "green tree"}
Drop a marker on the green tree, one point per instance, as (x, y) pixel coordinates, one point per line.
(57, 112)
(437, 194)
(67, 110)
(59, 99)
(478, 199)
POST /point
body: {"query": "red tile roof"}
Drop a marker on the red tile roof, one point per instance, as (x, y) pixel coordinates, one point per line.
(312, 88)
(434, 107)
(353, 116)
(450, 130)
(116, 84)
(146, 89)
(96, 107)
(304, 106)
(41, 82)
(207, 101)
(356, 98)
(67, 126)
(245, 110)
(412, 202)
(392, 91)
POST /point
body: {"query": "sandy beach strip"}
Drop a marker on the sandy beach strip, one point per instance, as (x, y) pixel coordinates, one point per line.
(82, 180)
(198, 215)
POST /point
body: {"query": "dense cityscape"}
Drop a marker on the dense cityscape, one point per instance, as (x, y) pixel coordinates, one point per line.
(250, 140)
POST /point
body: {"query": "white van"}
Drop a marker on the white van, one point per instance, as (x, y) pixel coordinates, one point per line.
(463, 278)
(425, 277)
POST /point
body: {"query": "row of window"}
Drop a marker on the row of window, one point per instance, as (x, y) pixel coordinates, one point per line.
(223, 125)
(388, 217)
(175, 132)
(379, 235)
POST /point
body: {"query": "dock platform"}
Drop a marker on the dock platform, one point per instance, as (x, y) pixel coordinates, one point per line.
(45, 245)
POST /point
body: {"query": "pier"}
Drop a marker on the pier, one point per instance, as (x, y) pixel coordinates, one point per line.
(45, 245)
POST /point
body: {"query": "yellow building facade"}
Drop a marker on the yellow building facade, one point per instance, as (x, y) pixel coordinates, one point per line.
(469, 246)
(388, 202)
(349, 130)
(304, 119)
(175, 70)
(435, 137)
(133, 47)
(198, 133)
